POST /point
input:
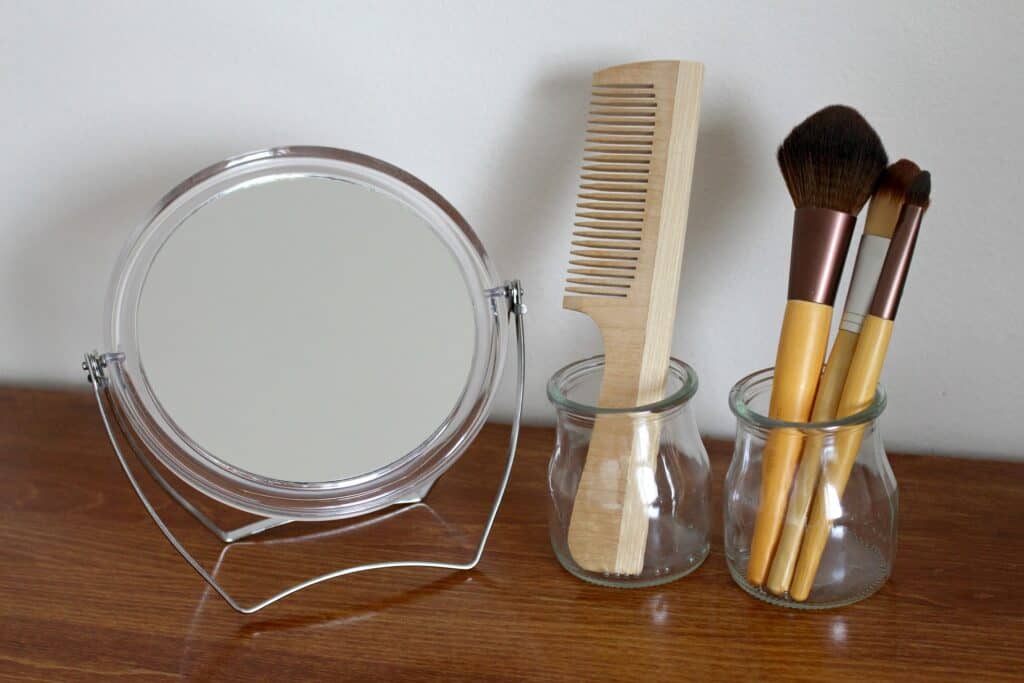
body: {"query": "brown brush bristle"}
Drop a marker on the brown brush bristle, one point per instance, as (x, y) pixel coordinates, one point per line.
(920, 191)
(832, 160)
(884, 211)
(896, 179)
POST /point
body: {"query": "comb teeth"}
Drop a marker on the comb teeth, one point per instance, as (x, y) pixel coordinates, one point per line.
(612, 202)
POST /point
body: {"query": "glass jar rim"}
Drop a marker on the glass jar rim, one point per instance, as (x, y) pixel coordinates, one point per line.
(677, 368)
(741, 408)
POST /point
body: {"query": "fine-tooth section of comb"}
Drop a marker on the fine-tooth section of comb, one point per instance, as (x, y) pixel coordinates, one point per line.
(611, 205)
(626, 253)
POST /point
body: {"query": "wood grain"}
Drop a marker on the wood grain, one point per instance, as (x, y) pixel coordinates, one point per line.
(89, 590)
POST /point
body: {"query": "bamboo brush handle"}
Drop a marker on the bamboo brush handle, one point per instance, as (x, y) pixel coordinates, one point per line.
(802, 343)
(826, 403)
(858, 393)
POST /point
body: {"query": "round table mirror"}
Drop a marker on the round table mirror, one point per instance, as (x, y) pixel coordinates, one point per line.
(306, 332)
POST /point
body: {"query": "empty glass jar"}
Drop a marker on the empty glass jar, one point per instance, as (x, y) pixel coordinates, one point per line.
(835, 542)
(639, 514)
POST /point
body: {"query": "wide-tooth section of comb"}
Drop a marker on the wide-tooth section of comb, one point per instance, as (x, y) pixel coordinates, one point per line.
(612, 202)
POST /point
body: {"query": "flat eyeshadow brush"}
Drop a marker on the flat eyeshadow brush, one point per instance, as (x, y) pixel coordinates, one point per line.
(627, 251)
(883, 213)
(831, 163)
(862, 382)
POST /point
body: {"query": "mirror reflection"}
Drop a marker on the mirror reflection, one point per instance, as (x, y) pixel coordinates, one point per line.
(306, 329)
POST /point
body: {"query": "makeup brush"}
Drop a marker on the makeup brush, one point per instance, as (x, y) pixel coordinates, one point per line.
(830, 163)
(883, 213)
(862, 381)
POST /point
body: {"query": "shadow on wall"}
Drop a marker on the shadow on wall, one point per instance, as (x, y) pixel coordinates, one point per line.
(712, 287)
(723, 175)
(539, 154)
(76, 236)
(541, 163)
(536, 174)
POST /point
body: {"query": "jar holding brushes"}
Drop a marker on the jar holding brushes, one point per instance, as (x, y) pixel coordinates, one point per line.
(811, 504)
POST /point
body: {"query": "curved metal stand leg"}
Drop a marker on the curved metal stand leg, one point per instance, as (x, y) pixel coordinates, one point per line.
(224, 535)
(94, 368)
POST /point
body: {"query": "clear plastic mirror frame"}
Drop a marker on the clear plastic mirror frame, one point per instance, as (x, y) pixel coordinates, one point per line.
(409, 475)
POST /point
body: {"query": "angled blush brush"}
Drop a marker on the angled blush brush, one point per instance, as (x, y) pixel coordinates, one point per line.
(831, 163)
(862, 382)
(624, 269)
(883, 213)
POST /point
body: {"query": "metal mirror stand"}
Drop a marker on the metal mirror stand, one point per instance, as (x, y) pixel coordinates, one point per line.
(94, 366)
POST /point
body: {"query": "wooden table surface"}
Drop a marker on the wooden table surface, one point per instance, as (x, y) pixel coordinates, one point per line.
(89, 589)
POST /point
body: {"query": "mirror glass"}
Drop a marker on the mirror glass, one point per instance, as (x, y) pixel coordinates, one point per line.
(306, 329)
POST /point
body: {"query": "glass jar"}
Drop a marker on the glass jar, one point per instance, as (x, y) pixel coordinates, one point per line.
(837, 538)
(647, 506)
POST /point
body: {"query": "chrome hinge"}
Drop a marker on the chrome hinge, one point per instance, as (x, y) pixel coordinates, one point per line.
(512, 292)
(95, 366)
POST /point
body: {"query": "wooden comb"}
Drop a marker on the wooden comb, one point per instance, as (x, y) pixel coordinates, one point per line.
(626, 255)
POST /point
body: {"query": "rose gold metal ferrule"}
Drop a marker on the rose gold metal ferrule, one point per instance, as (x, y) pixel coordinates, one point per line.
(897, 263)
(821, 240)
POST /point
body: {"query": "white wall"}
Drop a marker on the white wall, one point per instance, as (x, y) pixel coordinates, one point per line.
(104, 106)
